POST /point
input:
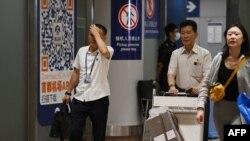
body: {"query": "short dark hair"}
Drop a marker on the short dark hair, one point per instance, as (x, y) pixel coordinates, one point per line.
(191, 23)
(170, 27)
(245, 48)
(102, 27)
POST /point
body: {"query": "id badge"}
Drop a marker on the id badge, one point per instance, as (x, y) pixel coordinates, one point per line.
(87, 79)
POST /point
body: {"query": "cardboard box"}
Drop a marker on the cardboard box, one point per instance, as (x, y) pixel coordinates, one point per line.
(164, 127)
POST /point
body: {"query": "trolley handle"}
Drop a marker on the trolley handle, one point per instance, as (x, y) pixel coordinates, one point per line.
(171, 94)
(178, 94)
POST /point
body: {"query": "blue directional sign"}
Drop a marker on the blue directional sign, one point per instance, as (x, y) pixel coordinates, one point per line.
(193, 8)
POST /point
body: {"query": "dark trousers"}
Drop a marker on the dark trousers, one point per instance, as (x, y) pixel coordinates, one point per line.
(97, 111)
(206, 120)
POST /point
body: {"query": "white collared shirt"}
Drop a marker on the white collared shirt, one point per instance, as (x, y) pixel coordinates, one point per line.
(189, 68)
(99, 86)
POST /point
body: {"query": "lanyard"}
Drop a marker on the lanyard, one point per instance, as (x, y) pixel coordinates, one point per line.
(93, 63)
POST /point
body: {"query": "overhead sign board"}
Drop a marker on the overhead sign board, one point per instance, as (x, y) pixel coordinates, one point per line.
(193, 8)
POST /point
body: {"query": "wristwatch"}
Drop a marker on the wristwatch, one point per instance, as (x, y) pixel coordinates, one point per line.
(171, 85)
(67, 93)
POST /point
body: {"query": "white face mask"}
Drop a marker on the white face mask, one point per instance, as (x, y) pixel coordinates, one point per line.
(177, 36)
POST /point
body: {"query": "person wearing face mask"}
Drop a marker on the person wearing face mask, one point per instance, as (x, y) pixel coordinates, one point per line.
(164, 53)
(235, 49)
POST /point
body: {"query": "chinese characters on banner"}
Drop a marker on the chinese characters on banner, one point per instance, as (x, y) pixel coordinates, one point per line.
(56, 22)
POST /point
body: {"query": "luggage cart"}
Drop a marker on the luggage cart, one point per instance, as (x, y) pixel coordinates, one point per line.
(184, 107)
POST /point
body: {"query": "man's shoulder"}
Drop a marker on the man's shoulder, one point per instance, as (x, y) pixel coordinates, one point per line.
(179, 50)
(83, 49)
(110, 47)
(162, 47)
(206, 51)
(164, 43)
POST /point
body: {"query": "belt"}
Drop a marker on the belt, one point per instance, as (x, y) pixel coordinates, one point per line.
(183, 90)
(180, 89)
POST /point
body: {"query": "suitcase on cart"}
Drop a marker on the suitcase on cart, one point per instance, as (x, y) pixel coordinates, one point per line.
(184, 108)
(164, 127)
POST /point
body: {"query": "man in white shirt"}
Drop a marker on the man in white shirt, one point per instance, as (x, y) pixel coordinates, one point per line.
(91, 68)
(189, 63)
(188, 66)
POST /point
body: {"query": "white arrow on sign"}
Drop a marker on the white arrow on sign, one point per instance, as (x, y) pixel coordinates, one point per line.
(190, 6)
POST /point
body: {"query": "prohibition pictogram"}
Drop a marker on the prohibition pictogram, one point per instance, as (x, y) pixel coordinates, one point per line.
(128, 16)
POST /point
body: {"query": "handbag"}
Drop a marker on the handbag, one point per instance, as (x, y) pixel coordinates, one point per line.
(60, 127)
(217, 92)
(243, 103)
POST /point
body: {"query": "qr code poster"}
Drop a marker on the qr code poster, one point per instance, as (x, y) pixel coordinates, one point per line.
(56, 44)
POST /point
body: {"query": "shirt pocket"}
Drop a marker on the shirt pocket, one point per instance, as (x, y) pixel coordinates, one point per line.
(197, 71)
